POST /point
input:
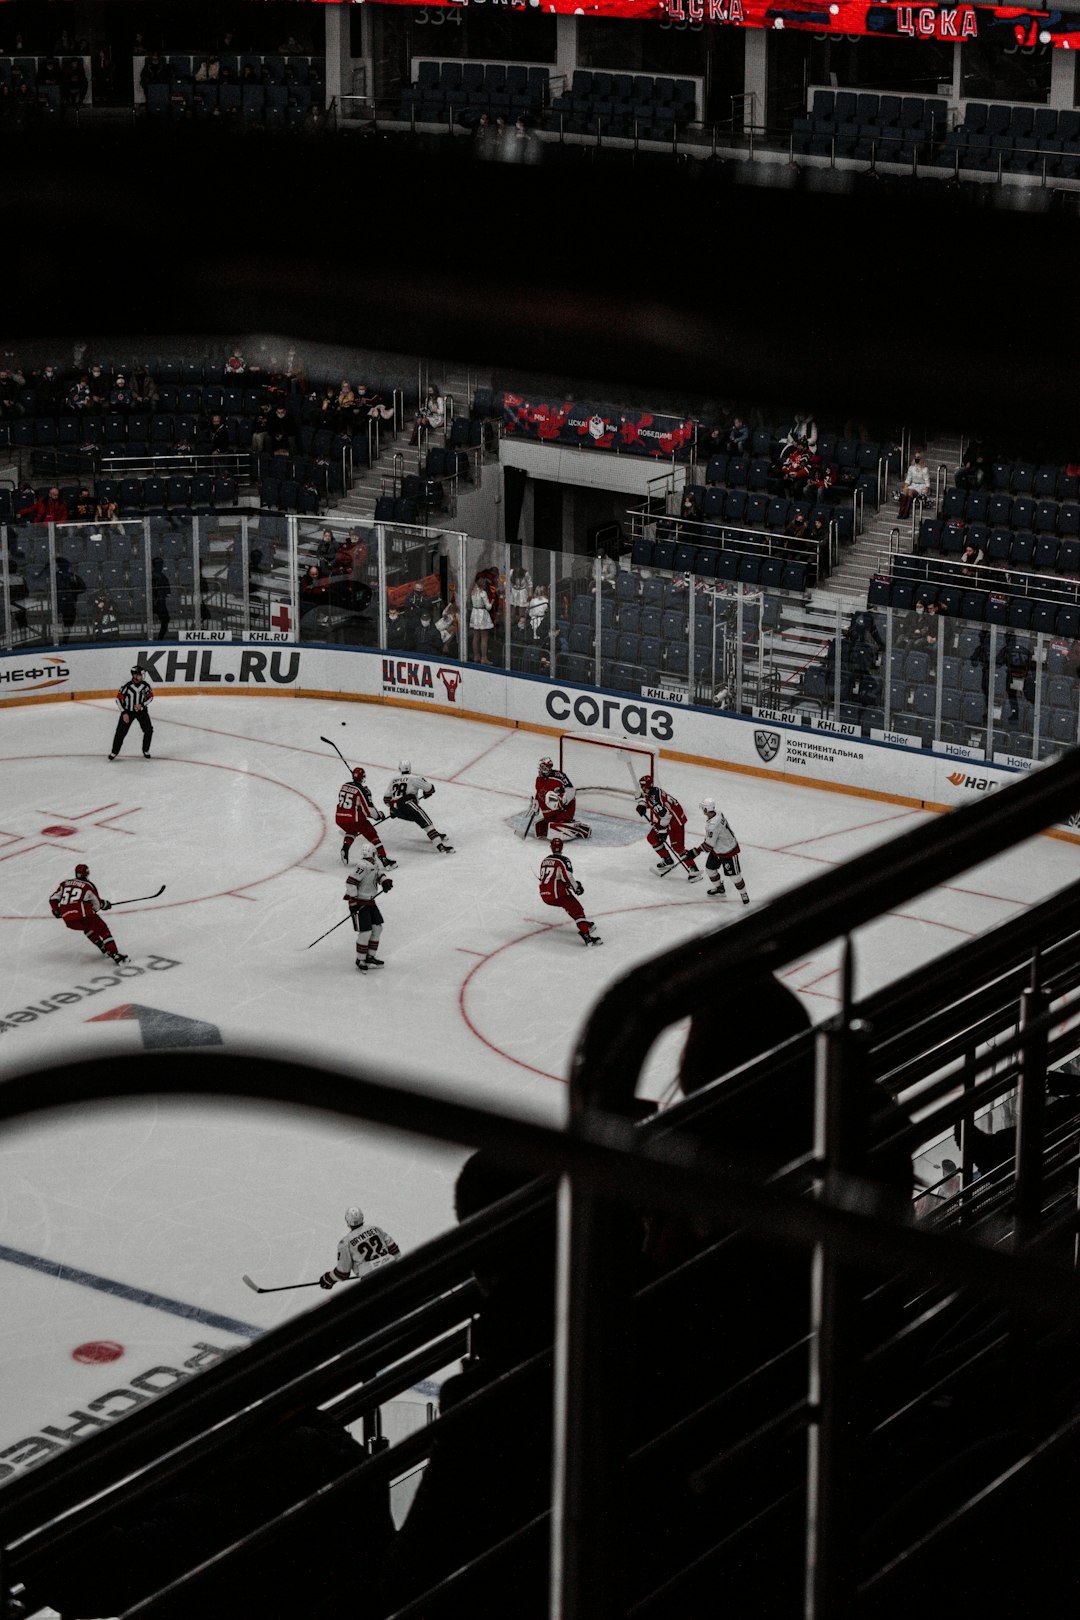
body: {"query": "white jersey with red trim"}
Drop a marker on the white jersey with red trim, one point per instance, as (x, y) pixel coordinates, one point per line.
(719, 838)
(364, 883)
(364, 1250)
(408, 788)
(75, 897)
(662, 809)
(556, 878)
(553, 791)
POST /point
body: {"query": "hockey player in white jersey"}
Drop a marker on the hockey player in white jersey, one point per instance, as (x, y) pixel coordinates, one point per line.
(361, 1251)
(403, 800)
(721, 848)
(363, 887)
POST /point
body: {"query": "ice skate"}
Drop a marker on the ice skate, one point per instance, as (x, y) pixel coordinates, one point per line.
(591, 939)
(361, 967)
(745, 898)
(375, 961)
(718, 888)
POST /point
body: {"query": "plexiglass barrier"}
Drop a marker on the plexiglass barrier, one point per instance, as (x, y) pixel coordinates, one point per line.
(917, 678)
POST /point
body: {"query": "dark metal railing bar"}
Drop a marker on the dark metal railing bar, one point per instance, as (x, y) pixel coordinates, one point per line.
(778, 1427)
(930, 1391)
(658, 1602)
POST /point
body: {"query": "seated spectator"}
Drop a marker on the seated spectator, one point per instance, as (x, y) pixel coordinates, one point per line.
(281, 432)
(143, 387)
(972, 471)
(99, 389)
(609, 573)
(428, 639)
(48, 508)
(431, 416)
(688, 505)
(738, 437)
(85, 509)
(48, 72)
(327, 548)
(73, 81)
(797, 529)
(373, 402)
(819, 534)
(916, 485)
(234, 366)
(155, 70)
(971, 555)
(121, 398)
(105, 512)
(207, 72)
(795, 468)
(314, 589)
(49, 386)
(78, 396)
(926, 631)
(345, 396)
(803, 430)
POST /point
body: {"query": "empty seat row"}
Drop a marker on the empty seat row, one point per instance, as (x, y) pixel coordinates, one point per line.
(1044, 513)
(981, 607)
(1016, 548)
(444, 88)
(279, 69)
(249, 99)
(1028, 478)
(289, 495)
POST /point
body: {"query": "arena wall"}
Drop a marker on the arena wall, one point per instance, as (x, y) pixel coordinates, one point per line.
(833, 758)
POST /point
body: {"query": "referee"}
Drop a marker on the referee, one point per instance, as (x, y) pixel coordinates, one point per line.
(132, 700)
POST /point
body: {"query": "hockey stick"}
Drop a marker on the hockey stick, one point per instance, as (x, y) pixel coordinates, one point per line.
(344, 919)
(533, 812)
(283, 1288)
(691, 876)
(337, 751)
(114, 903)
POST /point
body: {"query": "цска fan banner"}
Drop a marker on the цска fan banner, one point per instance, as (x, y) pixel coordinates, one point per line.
(1016, 27)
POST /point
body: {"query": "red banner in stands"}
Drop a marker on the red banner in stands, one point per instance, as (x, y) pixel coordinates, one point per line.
(594, 427)
(1012, 25)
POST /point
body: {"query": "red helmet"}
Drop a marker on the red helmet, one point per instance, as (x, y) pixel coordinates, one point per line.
(546, 765)
(556, 846)
(645, 781)
(82, 871)
(359, 773)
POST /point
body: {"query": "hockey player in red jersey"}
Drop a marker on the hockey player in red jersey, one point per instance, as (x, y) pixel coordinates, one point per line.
(723, 851)
(558, 887)
(357, 817)
(77, 904)
(556, 802)
(667, 828)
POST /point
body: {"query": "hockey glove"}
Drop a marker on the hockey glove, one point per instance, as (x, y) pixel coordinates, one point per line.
(327, 1280)
(56, 912)
(641, 810)
(387, 885)
(106, 905)
(579, 888)
(429, 792)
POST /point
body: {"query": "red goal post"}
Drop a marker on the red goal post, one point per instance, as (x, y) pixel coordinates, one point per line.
(605, 770)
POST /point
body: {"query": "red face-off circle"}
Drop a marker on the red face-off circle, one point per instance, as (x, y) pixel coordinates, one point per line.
(97, 1350)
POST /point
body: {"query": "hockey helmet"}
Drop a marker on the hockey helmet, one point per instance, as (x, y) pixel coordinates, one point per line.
(82, 871)
(709, 806)
(556, 846)
(354, 1215)
(359, 773)
(645, 781)
(405, 766)
(546, 765)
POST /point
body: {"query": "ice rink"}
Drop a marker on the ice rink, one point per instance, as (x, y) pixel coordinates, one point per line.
(124, 1233)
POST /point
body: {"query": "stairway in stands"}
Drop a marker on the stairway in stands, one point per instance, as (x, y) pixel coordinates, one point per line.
(870, 553)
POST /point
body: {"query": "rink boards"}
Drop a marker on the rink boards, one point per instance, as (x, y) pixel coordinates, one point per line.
(816, 754)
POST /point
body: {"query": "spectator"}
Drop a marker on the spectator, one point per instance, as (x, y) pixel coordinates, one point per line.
(925, 631)
(73, 81)
(11, 385)
(345, 396)
(539, 613)
(447, 626)
(327, 548)
(524, 144)
(218, 435)
(795, 468)
(48, 72)
(160, 590)
(99, 389)
(971, 556)
(143, 388)
(819, 534)
(314, 586)
(972, 471)
(372, 402)
(803, 430)
(121, 398)
(155, 70)
(78, 396)
(738, 437)
(48, 508)
(234, 366)
(520, 587)
(69, 587)
(916, 485)
(1015, 657)
(281, 432)
(207, 72)
(796, 529)
(104, 619)
(428, 638)
(483, 140)
(432, 414)
(49, 387)
(398, 630)
(480, 621)
(85, 508)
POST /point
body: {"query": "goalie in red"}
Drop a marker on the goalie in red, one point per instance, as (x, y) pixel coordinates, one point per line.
(77, 904)
(555, 803)
(559, 887)
(357, 817)
(667, 828)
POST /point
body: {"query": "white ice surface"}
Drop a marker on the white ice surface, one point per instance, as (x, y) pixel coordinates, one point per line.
(481, 995)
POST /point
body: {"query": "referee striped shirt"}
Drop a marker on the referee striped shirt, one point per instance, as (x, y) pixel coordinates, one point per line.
(132, 694)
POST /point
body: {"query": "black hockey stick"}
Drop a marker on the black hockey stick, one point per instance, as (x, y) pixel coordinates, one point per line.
(344, 919)
(534, 811)
(283, 1288)
(337, 751)
(114, 903)
(691, 875)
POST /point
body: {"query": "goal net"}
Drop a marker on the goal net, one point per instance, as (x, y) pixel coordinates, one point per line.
(605, 772)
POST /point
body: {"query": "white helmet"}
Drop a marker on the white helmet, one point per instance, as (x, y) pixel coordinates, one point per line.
(709, 806)
(404, 766)
(354, 1215)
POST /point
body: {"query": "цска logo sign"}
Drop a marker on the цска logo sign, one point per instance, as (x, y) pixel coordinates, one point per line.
(767, 744)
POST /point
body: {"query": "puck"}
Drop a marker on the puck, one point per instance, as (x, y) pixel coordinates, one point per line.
(97, 1350)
